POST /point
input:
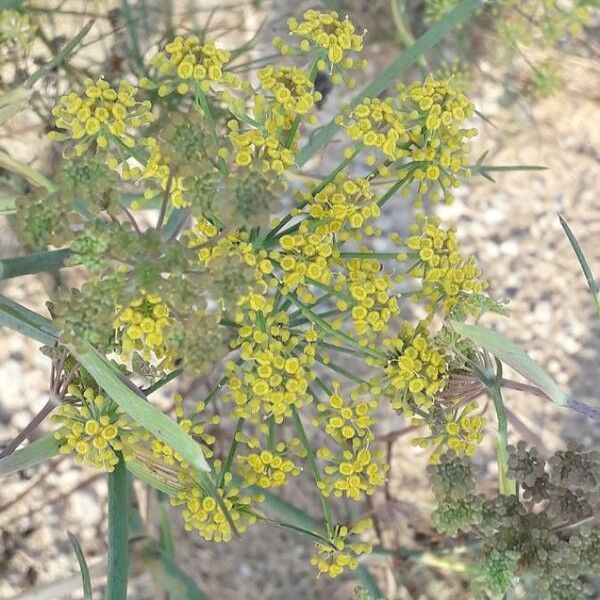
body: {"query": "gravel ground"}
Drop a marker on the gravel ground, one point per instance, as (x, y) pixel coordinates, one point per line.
(512, 228)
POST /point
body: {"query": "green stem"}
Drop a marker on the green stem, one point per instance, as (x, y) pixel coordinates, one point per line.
(36, 262)
(314, 469)
(118, 546)
(372, 352)
(507, 486)
(231, 454)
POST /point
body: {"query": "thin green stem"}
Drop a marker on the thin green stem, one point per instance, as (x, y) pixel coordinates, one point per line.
(231, 454)
(507, 486)
(314, 469)
(372, 352)
(118, 545)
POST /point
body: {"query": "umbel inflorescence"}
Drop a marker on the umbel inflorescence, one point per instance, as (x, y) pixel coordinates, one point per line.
(276, 307)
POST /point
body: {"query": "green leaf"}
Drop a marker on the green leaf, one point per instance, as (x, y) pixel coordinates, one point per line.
(585, 267)
(31, 455)
(25, 171)
(150, 477)
(118, 539)
(35, 262)
(484, 170)
(13, 101)
(83, 567)
(370, 589)
(391, 73)
(511, 354)
(176, 582)
(133, 35)
(25, 321)
(62, 55)
(134, 403)
(166, 535)
(508, 352)
(289, 512)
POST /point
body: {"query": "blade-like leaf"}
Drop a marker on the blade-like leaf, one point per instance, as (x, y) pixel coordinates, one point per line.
(30, 456)
(83, 567)
(369, 584)
(509, 353)
(176, 582)
(18, 318)
(118, 539)
(134, 404)
(25, 171)
(392, 73)
(33, 263)
(62, 54)
(12, 102)
(585, 267)
(150, 477)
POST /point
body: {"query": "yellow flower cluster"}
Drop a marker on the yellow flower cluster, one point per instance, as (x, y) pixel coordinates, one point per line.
(203, 513)
(325, 31)
(293, 93)
(305, 257)
(437, 110)
(340, 553)
(416, 370)
(268, 468)
(142, 327)
(101, 113)
(354, 470)
(448, 279)
(186, 65)
(276, 368)
(374, 304)
(345, 422)
(380, 124)
(420, 131)
(96, 429)
(463, 432)
(343, 206)
(196, 424)
(254, 146)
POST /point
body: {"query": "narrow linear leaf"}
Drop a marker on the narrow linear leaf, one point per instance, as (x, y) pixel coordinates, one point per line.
(27, 322)
(368, 582)
(134, 404)
(592, 282)
(36, 262)
(289, 512)
(11, 102)
(166, 535)
(25, 171)
(30, 456)
(391, 73)
(62, 55)
(511, 354)
(118, 540)
(150, 477)
(176, 582)
(133, 35)
(83, 566)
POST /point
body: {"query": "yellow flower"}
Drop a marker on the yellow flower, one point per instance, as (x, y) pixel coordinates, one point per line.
(96, 429)
(101, 113)
(340, 552)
